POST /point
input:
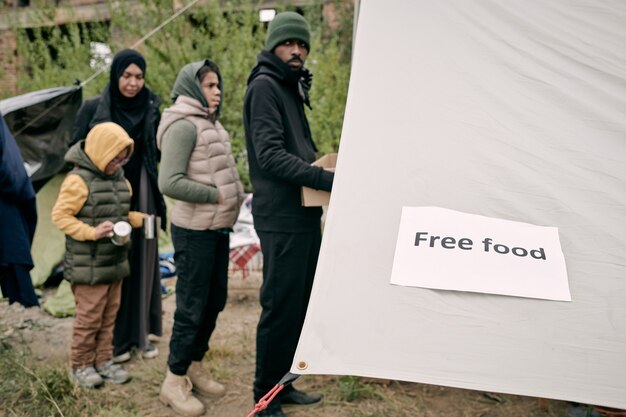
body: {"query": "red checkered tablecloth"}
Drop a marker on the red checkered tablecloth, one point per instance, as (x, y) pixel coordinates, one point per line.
(241, 255)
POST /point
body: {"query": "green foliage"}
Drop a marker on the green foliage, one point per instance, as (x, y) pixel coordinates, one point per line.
(352, 389)
(328, 95)
(230, 35)
(54, 56)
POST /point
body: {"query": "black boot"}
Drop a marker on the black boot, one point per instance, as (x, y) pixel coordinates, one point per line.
(296, 397)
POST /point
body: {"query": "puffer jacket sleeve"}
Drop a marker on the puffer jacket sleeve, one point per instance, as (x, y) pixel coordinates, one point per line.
(72, 197)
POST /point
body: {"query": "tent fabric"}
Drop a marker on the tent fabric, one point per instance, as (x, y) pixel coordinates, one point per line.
(49, 242)
(62, 304)
(506, 109)
(42, 123)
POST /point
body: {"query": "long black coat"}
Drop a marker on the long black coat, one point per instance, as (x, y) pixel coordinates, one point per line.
(98, 110)
(18, 219)
(18, 209)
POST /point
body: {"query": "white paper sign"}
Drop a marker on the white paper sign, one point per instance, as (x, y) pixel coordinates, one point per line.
(449, 250)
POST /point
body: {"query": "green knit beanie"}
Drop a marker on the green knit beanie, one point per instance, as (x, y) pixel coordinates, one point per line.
(286, 26)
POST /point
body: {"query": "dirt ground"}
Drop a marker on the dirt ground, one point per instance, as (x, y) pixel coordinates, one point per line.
(231, 360)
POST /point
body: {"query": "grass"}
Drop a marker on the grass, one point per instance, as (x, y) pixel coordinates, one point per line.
(48, 391)
(32, 387)
(351, 389)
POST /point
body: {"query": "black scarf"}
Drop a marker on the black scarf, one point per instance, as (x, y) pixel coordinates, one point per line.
(304, 85)
(302, 79)
(128, 112)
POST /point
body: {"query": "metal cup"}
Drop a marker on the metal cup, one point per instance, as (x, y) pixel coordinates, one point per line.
(121, 233)
(148, 227)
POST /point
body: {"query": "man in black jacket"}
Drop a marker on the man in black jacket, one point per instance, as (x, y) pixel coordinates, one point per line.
(280, 152)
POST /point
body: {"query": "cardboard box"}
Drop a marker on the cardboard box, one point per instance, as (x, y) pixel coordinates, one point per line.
(316, 198)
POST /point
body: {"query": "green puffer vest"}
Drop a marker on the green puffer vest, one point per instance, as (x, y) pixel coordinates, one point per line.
(100, 261)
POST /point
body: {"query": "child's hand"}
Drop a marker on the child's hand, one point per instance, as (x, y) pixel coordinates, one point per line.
(104, 229)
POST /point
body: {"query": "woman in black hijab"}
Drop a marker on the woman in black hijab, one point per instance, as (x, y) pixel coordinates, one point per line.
(127, 102)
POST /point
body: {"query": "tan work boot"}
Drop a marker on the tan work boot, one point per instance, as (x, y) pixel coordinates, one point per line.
(176, 392)
(202, 382)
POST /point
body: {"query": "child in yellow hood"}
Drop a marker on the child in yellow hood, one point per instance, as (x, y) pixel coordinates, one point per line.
(94, 196)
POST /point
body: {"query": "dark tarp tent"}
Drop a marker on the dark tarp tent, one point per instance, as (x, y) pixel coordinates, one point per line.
(41, 122)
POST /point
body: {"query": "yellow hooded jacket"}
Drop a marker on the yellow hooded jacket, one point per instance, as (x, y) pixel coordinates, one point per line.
(103, 143)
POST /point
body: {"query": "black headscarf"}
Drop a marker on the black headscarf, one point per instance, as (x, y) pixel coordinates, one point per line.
(128, 112)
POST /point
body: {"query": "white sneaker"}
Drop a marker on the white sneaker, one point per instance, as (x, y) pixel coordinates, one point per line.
(150, 351)
(121, 358)
(112, 372)
(86, 377)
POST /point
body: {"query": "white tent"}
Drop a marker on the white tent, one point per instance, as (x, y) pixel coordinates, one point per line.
(514, 110)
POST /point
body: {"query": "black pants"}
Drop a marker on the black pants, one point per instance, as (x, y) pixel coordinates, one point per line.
(201, 289)
(289, 262)
(140, 309)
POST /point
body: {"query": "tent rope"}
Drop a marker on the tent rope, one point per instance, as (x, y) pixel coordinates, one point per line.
(106, 67)
(262, 404)
(142, 40)
(266, 400)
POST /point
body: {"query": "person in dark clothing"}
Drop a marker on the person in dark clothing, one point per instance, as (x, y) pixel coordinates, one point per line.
(129, 103)
(280, 152)
(18, 219)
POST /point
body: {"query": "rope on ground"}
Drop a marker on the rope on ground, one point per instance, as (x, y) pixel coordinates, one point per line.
(271, 394)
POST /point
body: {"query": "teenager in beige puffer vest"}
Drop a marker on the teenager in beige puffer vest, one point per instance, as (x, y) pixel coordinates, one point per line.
(199, 172)
(211, 163)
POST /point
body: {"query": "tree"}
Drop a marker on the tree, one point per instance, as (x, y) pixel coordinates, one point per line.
(229, 34)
